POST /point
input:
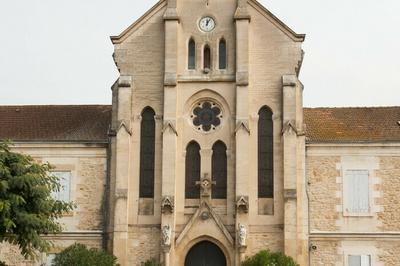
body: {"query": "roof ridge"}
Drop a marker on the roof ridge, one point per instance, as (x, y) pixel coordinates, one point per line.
(354, 107)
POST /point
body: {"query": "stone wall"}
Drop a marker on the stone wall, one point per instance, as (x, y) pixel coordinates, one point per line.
(144, 244)
(264, 241)
(90, 193)
(389, 173)
(390, 253)
(326, 253)
(322, 176)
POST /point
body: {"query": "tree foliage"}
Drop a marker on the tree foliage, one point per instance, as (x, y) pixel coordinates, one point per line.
(267, 258)
(152, 262)
(80, 255)
(27, 209)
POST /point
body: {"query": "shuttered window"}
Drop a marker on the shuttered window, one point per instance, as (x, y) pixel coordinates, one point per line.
(265, 154)
(359, 260)
(192, 171)
(147, 153)
(65, 191)
(219, 170)
(356, 191)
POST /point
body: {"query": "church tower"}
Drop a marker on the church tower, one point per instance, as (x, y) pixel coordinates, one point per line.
(207, 138)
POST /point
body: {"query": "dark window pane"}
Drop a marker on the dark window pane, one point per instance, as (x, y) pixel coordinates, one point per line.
(219, 170)
(207, 57)
(192, 173)
(192, 55)
(265, 154)
(147, 153)
(222, 54)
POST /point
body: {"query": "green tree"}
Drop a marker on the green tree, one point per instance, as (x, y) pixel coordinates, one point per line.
(80, 255)
(27, 209)
(267, 258)
(152, 262)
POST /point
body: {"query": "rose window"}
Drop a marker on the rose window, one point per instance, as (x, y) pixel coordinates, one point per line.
(206, 116)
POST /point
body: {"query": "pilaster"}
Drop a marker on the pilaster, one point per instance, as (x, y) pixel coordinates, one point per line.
(242, 20)
(170, 133)
(122, 144)
(295, 205)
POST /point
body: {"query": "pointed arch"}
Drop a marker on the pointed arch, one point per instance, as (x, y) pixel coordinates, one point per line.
(207, 57)
(191, 54)
(219, 170)
(222, 54)
(192, 170)
(147, 153)
(265, 153)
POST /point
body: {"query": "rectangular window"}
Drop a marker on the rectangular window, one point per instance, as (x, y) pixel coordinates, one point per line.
(65, 191)
(356, 191)
(359, 260)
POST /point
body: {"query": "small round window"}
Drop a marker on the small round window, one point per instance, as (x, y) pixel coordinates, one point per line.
(206, 116)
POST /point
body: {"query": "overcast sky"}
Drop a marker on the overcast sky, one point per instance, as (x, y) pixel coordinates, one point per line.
(59, 51)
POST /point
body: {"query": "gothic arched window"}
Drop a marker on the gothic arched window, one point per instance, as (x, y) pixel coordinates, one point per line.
(265, 154)
(192, 170)
(207, 57)
(222, 54)
(219, 170)
(192, 54)
(147, 153)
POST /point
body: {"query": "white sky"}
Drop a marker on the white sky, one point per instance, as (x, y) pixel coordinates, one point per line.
(59, 52)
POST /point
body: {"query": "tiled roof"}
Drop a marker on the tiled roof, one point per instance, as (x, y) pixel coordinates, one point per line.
(90, 123)
(364, 124)
(66, 123)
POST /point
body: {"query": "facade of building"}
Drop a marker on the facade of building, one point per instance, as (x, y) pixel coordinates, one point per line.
(207, 154)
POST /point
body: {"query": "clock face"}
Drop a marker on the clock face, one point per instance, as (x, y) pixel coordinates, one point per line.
(207, 24)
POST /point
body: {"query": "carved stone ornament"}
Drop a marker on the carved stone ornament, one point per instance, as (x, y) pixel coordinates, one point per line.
(242, 235)
(167, 204)
(166, 235)
(205, 184)
(242, 204)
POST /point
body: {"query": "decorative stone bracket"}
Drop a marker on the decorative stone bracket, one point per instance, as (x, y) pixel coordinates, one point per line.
(242, 125)
(169, 125)
(242, 204)
(167, 204)
(290, 127)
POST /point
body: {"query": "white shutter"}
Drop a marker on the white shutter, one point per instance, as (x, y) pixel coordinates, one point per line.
(357, 191)
(359, 260)
(354, 260)
(65, 182)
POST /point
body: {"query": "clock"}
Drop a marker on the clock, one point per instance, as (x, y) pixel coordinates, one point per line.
(207, 24)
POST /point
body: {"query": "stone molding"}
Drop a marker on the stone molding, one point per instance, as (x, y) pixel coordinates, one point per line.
(167, 204)
(169, 125)
(242, 204)
(242, 125)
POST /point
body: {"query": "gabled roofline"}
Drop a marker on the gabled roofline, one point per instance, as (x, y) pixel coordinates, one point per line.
(120, 38)
(277, 22)
(254, 3)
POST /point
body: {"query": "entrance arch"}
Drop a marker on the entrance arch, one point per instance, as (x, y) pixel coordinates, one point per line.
(205, 253)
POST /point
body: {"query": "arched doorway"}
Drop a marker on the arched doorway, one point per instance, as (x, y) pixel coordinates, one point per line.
(205, 253)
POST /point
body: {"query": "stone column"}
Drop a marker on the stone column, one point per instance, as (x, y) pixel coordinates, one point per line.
(295, 213)
(170, 134)
(122, 169)
(242, 20)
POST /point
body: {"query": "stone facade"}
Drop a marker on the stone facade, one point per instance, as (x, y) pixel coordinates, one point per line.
(306, 218)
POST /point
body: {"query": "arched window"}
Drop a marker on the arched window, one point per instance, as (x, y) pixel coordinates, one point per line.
(207, 57)
(192, 54)
(147, 153)
(265, 154)
(192, 173)
(219, 170)
(222, 54)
